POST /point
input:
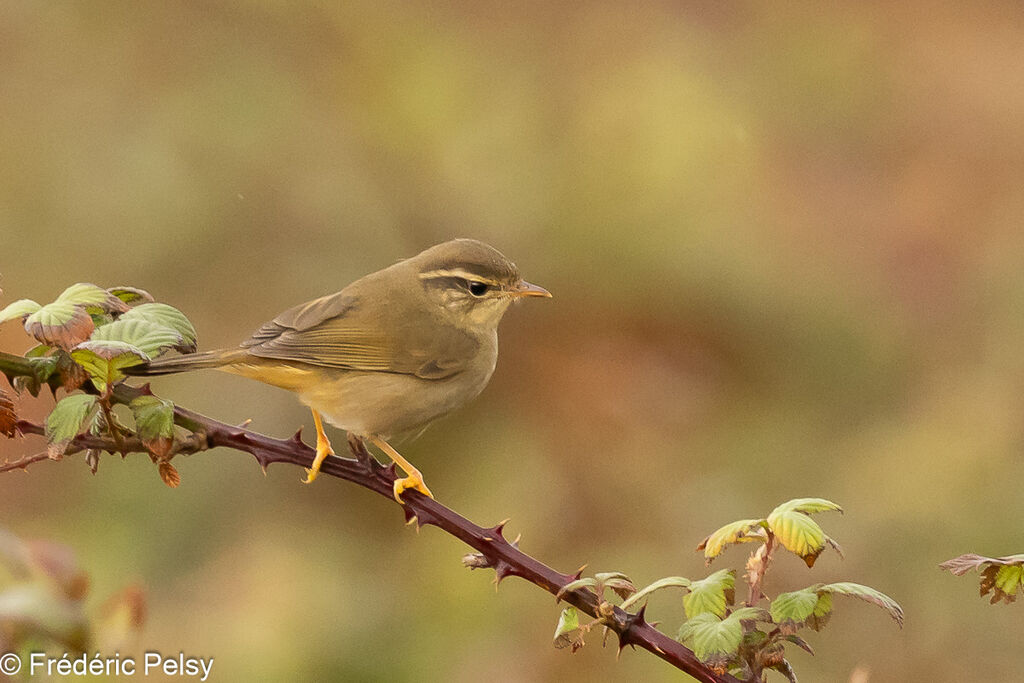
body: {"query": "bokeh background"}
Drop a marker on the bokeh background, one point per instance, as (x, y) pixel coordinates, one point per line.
(786, 248)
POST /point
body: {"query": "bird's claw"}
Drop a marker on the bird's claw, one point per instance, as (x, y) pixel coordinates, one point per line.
(411, 482)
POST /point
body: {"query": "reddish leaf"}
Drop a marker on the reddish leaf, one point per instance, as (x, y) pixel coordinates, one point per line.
(170, 475)
(61, 324)
(8, 418)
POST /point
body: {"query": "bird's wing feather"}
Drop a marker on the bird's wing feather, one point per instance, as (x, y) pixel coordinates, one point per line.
(336, 332)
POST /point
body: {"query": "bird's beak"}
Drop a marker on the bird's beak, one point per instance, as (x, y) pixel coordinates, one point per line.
(524, 289)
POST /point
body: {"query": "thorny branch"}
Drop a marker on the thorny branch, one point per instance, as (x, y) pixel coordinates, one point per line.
(504, 557)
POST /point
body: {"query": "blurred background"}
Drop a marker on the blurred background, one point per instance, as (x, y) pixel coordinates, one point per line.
(786, 250)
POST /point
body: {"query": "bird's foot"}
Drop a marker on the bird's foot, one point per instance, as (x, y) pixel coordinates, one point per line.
(321, 454)
(413, 481)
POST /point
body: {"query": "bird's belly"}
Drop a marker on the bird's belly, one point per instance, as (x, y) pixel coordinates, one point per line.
(388, 404)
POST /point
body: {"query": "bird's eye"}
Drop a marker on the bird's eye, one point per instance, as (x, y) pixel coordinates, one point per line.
(478, 288)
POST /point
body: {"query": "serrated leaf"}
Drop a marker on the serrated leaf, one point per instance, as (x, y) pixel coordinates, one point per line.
(154, 423)
(167, 316)
(965, 563)
(617, 581)
(586, 582)
(61, 323)
(94, 299)
(18, 309)
(568, 632)
(743, 531)
(710, 595)
(710, 637)
(791, 610)
(72, 375)
(707, 635)
(868, 594)
(43, 367)
(797, 533)
(822, 612)
(148, 336)
(105, 360)
(1008, 580)
(65, 421)
(131, 295)
(169, 474)
(8, 418)
(751, 614)
(667, 582)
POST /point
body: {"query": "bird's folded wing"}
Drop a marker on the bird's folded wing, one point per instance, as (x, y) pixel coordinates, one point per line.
(336, 332)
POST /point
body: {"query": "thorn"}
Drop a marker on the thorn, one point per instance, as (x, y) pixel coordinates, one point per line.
(498, 528)
(245, 423)
(515, 543)
(146, 390)
(502, 570)
(297, 436)
(575, 577)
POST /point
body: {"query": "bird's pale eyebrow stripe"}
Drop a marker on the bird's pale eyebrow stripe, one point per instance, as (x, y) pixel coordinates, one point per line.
(459, 273)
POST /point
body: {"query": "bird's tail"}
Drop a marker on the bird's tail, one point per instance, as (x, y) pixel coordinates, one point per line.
(192, 361)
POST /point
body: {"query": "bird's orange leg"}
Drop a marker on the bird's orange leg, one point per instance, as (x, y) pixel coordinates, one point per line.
(414, 480)
(323, 449)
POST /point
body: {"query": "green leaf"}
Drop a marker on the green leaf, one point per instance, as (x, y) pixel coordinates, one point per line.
(131, 295)
(94, 299)
(716, 641)
(822, 612)
(18, 309)
(168, 316)
(997, 573)
(797, 533)
(149, 337)
(667, 582)
(38, 351)
(60, 324)
(868, 594)
(808, 506)
(617, 581)
(43, 366)
(751, 614)
(568, 632)
(1007, 581)
(708, 635)
(710, 595)
(586, 582)
(154, 422)
(65, 421)
(105, 360)
(791, 610)
(743, 531)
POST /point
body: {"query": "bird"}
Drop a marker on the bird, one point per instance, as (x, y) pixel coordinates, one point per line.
(388, 354)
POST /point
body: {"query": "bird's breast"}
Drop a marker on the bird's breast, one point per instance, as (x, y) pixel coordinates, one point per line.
(388, 404)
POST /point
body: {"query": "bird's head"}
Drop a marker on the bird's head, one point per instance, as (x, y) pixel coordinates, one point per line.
(472, 282)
